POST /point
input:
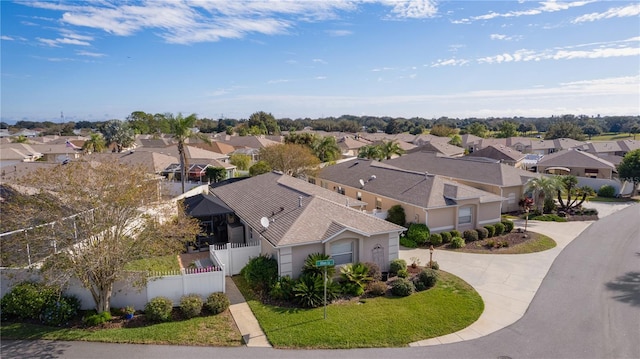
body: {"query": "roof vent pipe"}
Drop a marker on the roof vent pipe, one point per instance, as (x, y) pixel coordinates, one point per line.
(300, 201)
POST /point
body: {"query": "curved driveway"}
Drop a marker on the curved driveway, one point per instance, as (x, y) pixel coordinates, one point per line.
(588, 306)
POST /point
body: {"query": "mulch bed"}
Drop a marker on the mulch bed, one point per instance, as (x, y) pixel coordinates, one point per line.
(511, 239)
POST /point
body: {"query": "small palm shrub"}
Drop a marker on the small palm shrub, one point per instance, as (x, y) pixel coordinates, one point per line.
(27, 300)
(191, 305)
(310, 266)
(402, 287)
(374, 270)
(260, 272)
(59, 312)
(435, 239)
(457, 242)
(446, 237)
(282, 289)
(309, 290)
(470, 235)
(499, 228)
(455, 233)
(482, 233)
(508, 226)
(418, 232)
(425, 280)
(97, 319)
(217, 303)
(396, 265)
(549, 205)
(607, 191)
(377, 288)
(355, 278)
(491, 230)
(158, 309)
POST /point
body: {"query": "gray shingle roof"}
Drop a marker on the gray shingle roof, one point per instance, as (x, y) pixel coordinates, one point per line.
(575, 158)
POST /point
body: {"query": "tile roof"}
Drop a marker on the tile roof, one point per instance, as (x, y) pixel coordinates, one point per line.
(297, 214)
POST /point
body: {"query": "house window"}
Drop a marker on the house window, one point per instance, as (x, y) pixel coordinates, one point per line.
(340, 190)
(342, 252)
(591, 172)
(378, 203)
(312, 180)
(464, 215)
(359, 196)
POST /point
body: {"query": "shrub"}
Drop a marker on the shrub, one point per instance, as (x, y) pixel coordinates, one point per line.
(260, 272)
(470, 235)
(607, 191)
(446, 237)
(355, 278)
(499, 228)
(406, 242)
(217, 303)
(373, 270)
(26, 300)
(396, 215)
(426, 279)
(549, 218)
(508, 225)
(282, 289)
(491, 230)
(97, 319)
(158, 309)
(549, 205)
(457, 242)
(418, 232)
(435, 239)
(435, 265)
(482, 233)
(396, 265)
(310, 266)
(377, 288)
(455, 233)
(309, 290)
(59, 312)
(402, 287)
(403, 273)
(191, 305)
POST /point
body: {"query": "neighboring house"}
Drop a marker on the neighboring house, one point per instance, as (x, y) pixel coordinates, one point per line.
(497, 178)
(44, 152)
(292, 219)
(612, 151)
(257, 142)
(152, 162)
(350, 145)
(439, 147)
(197, 169)
(502, 154)
(438, 202)
(545, 147)
(576, 163)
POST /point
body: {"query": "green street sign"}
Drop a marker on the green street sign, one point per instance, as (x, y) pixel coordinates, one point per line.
(325, 263)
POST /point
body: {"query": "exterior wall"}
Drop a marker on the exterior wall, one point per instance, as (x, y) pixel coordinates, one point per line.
(603, 173)
(441, 219)
(488, 213)
(512, 195)
(299, 255)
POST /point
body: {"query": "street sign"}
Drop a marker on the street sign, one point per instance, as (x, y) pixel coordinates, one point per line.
(325, 263)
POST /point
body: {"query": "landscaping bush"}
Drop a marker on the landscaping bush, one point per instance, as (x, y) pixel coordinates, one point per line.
(425, 279)
(499, 228)
(59, 312)
(549, 218)
(261, 272)
(402, 287)
(470, 235)
(607, 191)
(403, 273)
(355, 278)
(97, 319)
(482, 233)
(418, 232)
(508, 225)
(282, 289)
(491, 230)
(217, 303)
(396, 215)
(549, 205)
(309, 290)
(457, 242)
(396, 265)
(446, 237)
(373, 270)
(455, 233)
(158, 309)
(191, 305)
(377, 288)
(435, 265)
(26, 300)
(435, 239)
(406, 242)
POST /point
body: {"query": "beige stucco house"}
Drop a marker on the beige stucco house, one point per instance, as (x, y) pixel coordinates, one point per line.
(576, 163)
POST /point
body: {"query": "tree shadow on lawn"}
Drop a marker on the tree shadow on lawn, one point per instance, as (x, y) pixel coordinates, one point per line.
(629, 286)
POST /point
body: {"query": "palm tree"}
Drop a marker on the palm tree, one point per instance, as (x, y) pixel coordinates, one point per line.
(181, 127)
(390, 148)
(371, 152)
(95, 143)
(543, 187)
(325, 148)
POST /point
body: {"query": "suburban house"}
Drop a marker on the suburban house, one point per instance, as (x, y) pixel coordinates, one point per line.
(577, 163)
(292, 218)
(492, 176)
(350, 145)
(439, 147)
(502, 154)
(612, 151)
(438, 202)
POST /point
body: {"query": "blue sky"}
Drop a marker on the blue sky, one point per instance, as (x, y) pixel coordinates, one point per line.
(100, 60)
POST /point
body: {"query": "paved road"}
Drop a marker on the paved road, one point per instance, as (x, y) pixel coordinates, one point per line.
(588, 306)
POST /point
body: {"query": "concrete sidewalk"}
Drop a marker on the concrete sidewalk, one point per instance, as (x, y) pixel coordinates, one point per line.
(252, 334)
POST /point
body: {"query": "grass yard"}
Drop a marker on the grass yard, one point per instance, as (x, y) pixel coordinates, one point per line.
(216, 330)
(373, 322)
(156, 264)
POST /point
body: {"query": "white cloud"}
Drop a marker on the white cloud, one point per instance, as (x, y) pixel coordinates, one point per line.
(319, 61)
(338, 33)
(320, 77)
(65, 40)
(7, 38)
(545, 6)
(90, 54)
(625, 11)
(504, 37)
(449, 62)
(413, 9)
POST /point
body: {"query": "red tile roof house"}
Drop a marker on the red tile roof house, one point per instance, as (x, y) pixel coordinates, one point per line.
(293, 218)
(438, 202)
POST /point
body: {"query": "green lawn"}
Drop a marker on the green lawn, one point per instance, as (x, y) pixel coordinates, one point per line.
(610, 200)
(612, 136)
(156, 264)
(217, 330)
(374, 322)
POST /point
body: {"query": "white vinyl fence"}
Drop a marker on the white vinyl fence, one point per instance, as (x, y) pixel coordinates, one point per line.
(233, 256)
